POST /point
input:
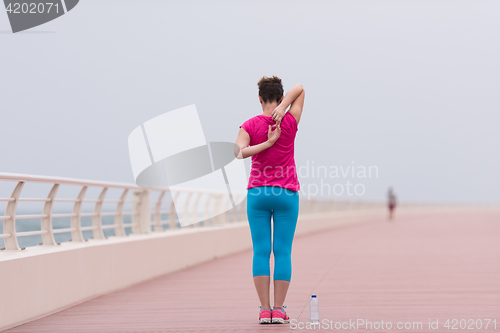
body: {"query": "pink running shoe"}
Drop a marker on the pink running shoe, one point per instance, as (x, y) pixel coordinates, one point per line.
(279, 316)
(265, 316)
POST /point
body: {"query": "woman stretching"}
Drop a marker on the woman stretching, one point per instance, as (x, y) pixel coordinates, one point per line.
(272, 190)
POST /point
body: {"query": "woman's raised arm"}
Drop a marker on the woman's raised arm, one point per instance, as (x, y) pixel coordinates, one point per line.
(294, 97)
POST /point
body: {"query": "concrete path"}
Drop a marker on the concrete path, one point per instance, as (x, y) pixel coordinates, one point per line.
(428, 267)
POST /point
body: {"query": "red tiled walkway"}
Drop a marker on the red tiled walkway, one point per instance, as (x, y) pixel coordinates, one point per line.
(428, 267)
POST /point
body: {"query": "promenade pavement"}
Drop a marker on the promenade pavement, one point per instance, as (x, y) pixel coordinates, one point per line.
(421, 268)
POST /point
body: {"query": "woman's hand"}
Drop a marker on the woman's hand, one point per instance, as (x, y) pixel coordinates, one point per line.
(273, 136)
(278, 113)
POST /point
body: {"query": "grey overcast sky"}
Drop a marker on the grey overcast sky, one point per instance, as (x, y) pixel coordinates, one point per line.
(411, 87)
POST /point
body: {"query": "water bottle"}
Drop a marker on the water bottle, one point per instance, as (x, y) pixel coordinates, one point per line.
(314, 310)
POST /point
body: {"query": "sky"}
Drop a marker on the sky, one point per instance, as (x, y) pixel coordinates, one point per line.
(409, 88)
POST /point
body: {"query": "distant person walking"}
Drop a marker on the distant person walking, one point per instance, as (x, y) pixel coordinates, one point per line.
(391, 202)
(272, 190)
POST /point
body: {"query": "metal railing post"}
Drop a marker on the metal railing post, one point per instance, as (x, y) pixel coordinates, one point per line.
(97, 217)
(220, 201)
(9, 225)
(172, 212)
(217, 203)
(142, 212)
(237, 209)
(206, 211)
(157, 214)
(146, 212)
(76, 225)
(120, 228)
(229, 212)
(196, 211)
(185, 213)
(48, 237)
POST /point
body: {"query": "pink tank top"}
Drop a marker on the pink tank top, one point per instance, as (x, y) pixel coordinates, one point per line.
(274, 166)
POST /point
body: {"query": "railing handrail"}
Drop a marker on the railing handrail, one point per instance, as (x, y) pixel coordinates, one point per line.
(64, 180)
(85, 182)
(192, 212)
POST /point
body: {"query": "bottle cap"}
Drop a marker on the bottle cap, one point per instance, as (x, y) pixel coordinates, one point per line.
(313, 296)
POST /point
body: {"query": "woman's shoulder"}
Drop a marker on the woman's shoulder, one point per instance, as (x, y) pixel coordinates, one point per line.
(250, 124)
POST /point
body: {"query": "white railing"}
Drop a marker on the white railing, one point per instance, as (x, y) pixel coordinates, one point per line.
(147, 209)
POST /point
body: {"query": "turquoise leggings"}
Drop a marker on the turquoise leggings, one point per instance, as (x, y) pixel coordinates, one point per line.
(282, 205)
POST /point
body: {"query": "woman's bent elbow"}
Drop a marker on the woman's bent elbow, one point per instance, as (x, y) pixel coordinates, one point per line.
(238, 152)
